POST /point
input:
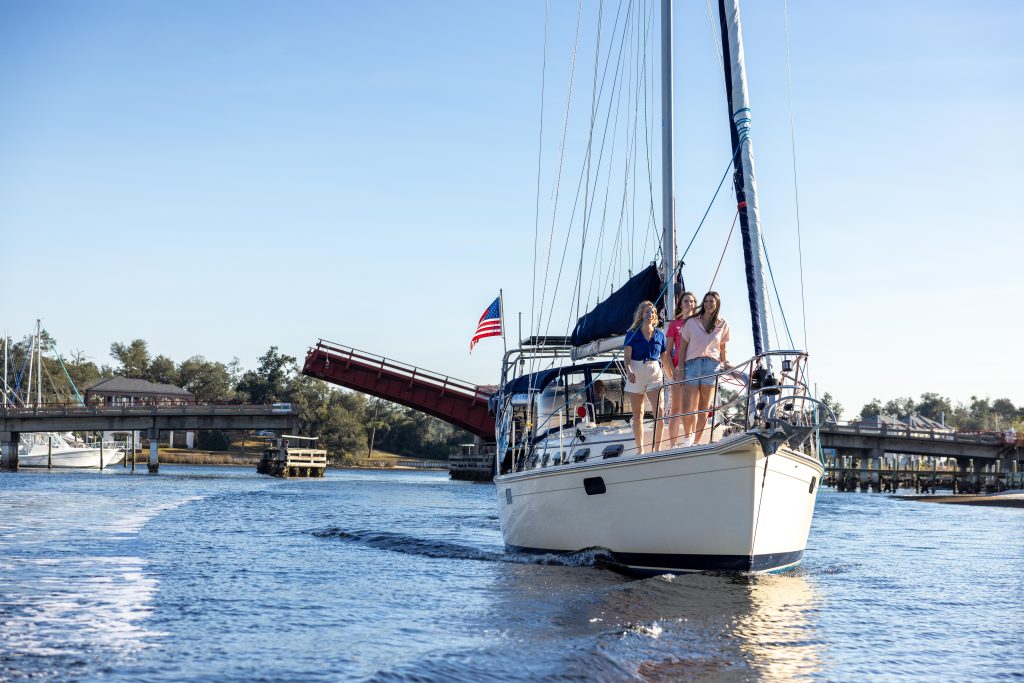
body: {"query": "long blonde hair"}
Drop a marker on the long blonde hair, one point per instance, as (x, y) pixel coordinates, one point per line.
(638, 317)
(714, 318)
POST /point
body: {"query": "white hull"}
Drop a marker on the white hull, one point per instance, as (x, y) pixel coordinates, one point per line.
(686, 509)
(81, 458)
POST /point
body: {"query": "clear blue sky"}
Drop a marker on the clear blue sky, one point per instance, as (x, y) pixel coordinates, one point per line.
(217, 178)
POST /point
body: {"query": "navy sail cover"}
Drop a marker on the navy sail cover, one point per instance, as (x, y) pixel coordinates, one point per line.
(614, 315)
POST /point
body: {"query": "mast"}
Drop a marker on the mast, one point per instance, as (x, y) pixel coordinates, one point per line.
(31, 361)
(667, 194)
(743, 178)
(39, 366)
(6, 354)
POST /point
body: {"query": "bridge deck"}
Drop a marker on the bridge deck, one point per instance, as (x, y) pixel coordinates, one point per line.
(73, 417)
(460, 403)
(909, 441)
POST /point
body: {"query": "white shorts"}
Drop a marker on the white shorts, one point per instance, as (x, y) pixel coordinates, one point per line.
(648, 376)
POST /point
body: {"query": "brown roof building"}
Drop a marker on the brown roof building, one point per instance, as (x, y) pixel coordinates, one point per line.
(124, 391)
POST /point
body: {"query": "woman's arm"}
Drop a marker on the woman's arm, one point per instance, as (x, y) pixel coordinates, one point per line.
(681, 369)
(628, 356)
(722, 354)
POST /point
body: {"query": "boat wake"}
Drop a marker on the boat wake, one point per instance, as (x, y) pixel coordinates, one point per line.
(411, 545)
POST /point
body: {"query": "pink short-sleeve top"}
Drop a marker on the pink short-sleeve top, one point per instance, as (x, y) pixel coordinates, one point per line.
(701, 343)
(670, 334)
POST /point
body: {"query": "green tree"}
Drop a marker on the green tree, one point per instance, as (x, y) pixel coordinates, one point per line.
(83, 371)
(832, 403)
(871, 409)
(1005, 412)
(935, 407)
(900, 407)
(133, 358)
(208, 380)
(269, 382)
(162, 371)
(333, 415)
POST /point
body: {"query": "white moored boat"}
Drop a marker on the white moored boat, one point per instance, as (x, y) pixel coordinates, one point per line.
(569, 474)
(55, 450)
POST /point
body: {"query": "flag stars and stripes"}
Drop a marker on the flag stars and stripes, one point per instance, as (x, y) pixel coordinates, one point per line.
(489, 325)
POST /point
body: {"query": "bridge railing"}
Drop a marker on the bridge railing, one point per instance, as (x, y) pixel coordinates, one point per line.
(444, 383)
(76, 409)
(909, 431)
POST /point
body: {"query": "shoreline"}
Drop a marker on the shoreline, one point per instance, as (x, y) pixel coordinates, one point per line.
(1008, 500)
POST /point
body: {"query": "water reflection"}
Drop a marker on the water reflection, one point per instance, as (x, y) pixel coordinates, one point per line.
(778, 634)
(670, 628)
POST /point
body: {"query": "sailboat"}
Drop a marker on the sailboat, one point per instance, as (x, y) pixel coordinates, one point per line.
(570, 477)
(52, 449)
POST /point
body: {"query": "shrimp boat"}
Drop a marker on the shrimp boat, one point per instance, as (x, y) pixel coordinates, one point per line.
(569, 475)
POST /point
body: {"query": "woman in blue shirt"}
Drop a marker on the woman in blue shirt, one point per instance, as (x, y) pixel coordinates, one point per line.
(646, 354)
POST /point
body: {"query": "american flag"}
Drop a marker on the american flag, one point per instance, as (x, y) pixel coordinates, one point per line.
(489, 325)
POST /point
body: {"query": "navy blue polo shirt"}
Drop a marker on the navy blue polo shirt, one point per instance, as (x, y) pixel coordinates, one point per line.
(644, 349)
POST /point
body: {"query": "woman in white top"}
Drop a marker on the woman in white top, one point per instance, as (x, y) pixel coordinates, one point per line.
(702, 343)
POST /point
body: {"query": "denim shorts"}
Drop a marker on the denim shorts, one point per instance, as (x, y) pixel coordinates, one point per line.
(698, 367)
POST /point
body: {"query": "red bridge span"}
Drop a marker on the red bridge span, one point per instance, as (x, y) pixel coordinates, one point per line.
(460, 403)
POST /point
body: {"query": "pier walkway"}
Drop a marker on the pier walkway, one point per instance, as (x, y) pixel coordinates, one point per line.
(460, 403)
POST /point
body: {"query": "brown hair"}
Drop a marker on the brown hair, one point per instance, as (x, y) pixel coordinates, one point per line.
(714, 318)
(679, 301)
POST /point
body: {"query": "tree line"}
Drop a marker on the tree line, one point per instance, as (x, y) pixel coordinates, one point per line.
(343, 420)
(976, 414)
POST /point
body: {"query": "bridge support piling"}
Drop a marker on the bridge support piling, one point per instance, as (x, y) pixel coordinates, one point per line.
(876, 465)
(9, 450)
(154, 461)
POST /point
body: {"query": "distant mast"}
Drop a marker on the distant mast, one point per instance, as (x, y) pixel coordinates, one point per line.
(667, 194)
(743, 179)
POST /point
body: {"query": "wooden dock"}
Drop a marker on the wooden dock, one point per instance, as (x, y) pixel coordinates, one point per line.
(282, 459)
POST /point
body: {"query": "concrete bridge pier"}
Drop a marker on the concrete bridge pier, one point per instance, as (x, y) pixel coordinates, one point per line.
(154, 459)
(9, 450)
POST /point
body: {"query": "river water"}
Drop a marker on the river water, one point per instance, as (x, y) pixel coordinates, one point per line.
(219, 574)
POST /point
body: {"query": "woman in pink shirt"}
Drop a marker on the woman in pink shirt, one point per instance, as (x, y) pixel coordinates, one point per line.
(686, 304)
(702, 347)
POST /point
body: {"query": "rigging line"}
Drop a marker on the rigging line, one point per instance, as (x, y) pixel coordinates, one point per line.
(576, 205)
(607, 191)
(613, 98)
(68, 375)
(587, 208)
(715, 37)
(760, 498)
(652, 216)
(584, 174)
(540, 151)
(625, 231)
(590, 148)
(796, 190)
(561, 160)
(776, 288)
(710, 205)
(721, 258)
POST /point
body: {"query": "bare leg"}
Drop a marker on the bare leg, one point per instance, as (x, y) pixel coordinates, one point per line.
(704, 402)
(677, 408)
(690, 396)
(636, 401)
(657, 400)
